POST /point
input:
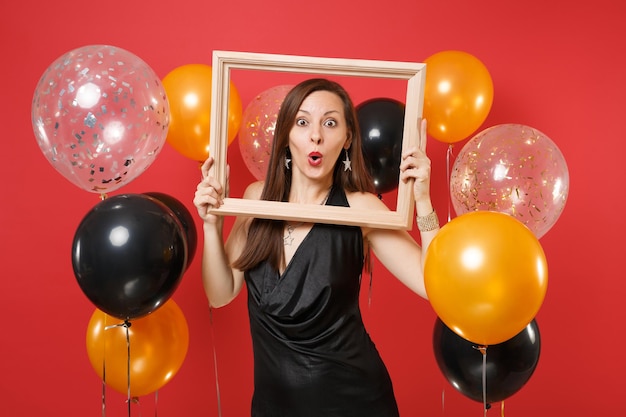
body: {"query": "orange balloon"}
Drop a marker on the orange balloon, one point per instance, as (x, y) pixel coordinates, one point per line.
(486, 276)
(458, 95)
(188, 90)
(158, 346)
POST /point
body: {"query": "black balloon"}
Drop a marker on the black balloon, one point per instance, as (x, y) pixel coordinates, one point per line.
(129, 254)
(381, 121)
(509, 365)
(185, 218)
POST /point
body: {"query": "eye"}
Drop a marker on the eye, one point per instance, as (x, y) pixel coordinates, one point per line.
(301, 122)
(330, 123)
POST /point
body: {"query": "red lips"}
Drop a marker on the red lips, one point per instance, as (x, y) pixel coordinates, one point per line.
(315, 159)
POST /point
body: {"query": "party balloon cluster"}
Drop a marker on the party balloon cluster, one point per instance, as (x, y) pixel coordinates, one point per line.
(485, 271)
(129, 255)
(486, 277)
(101, 116)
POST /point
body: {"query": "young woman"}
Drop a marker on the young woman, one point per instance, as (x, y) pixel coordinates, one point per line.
(312, 354)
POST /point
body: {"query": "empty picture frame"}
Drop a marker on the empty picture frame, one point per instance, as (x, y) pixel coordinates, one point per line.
(224, 61)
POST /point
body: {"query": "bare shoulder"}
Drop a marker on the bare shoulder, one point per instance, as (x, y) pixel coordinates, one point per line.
(362, 200)
(253, 191)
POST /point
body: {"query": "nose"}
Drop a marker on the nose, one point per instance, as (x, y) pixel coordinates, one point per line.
(316, 136)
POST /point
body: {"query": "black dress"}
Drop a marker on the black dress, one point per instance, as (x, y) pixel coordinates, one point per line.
(312, 354)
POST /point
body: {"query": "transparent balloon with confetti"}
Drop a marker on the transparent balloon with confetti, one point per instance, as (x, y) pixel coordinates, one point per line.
(256, 133)
(100, 116)
(513, 169)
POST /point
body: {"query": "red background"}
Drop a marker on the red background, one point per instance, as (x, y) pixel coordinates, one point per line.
(557, 66)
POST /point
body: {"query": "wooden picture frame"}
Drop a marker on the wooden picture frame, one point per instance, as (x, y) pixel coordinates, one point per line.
(414, 73)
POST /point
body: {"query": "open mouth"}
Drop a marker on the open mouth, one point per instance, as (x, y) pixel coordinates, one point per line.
(315, 158)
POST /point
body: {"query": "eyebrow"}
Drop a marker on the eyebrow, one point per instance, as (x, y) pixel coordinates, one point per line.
(325, 114)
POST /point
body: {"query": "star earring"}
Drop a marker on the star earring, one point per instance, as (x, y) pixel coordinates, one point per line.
(347, 163)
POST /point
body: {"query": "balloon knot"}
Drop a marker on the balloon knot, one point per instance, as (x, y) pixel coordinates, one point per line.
(482, 349)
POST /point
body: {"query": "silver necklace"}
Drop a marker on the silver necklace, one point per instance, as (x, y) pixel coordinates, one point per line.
(288, 240)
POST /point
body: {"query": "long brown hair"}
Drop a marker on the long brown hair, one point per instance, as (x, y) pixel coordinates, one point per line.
(265, 237)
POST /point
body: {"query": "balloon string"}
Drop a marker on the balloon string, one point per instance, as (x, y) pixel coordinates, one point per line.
(449, 156)
(485, 381)
(129, 400)
(104, 413)
(126, 326)
(104, 385)
(217, 383)
(483, 350)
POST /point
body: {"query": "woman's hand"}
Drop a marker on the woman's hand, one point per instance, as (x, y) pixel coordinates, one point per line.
(209, 194)
(416, 165)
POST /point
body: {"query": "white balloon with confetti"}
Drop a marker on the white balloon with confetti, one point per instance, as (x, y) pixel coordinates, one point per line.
(256, 134)
(513, 169)
(100, 116)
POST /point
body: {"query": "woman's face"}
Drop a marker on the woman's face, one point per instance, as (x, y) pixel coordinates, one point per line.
(318, 135)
